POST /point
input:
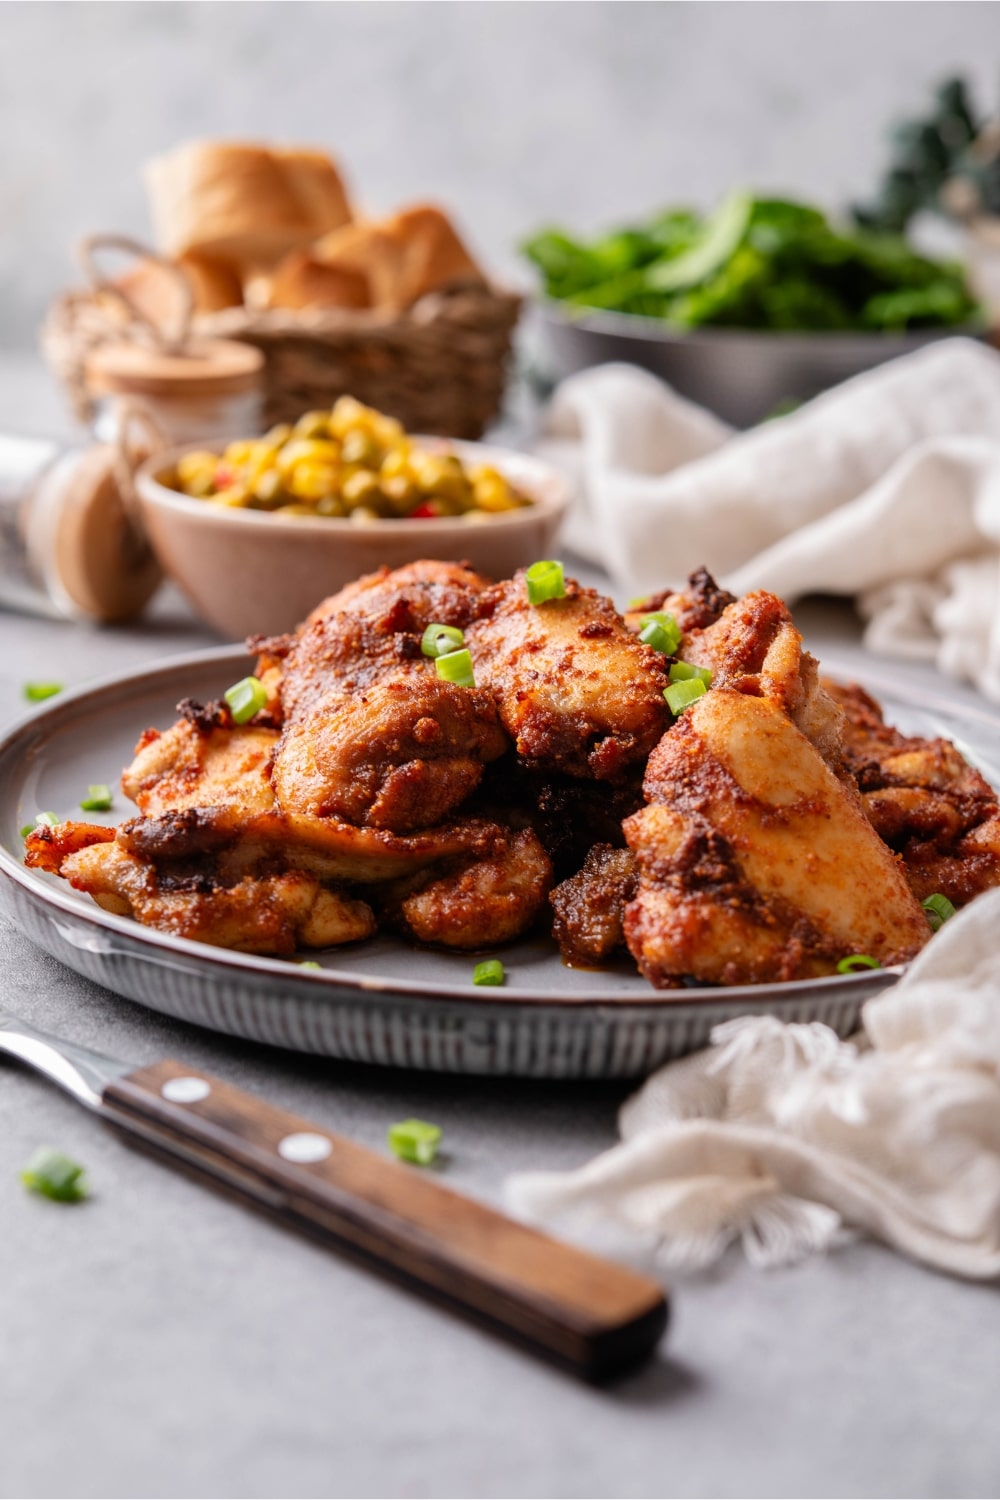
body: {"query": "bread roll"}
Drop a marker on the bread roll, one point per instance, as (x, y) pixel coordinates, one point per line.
(300, 280)
(241, 204)
(403, 257)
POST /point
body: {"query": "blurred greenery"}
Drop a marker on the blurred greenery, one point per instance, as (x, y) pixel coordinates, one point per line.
(755, 263)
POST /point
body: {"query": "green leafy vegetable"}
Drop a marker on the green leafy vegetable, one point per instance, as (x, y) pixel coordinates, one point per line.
(766, 263)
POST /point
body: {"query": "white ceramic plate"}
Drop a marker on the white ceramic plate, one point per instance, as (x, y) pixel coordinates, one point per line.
(383, 1001)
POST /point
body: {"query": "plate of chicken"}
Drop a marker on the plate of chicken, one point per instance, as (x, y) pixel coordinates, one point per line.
(631, 826)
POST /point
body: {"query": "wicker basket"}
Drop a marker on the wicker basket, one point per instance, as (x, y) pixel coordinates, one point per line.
(440, 366)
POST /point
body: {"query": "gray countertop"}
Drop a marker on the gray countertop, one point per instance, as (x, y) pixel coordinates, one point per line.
(158, 1340)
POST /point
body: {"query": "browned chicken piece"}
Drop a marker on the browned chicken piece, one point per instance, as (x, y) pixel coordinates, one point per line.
(925, 800)
(755, 649)
(695, 607)
(372, 735)
(188, 767)
(480, 903)
(577, 692)
(258, 914)
(589, 907)
(756, 863)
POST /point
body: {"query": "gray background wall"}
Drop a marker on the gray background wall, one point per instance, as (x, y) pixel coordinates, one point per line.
(513, 114)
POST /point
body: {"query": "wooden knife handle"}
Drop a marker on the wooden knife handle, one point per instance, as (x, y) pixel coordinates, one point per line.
(583, 1312)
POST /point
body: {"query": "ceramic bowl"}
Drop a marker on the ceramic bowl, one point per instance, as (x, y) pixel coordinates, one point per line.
(250, 572)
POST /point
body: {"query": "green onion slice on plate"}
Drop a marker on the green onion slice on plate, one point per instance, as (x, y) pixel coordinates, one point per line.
(98, 798)
(456, 667)
(854, 962)
(55, 1176)
(938, 909)
(245, 698)
(490, 971)
(544, 581)
(415, 1140)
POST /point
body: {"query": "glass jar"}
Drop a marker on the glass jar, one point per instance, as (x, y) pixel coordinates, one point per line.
(207, 392)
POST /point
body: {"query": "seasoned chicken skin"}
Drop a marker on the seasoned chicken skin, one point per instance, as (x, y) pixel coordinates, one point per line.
(477, 903)
(589, 907)
(576, 691)
(372, 735)
(924, 800)
(755, 861)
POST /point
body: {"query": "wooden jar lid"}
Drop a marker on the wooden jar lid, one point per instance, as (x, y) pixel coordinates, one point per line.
(87, 543)
(205, 367)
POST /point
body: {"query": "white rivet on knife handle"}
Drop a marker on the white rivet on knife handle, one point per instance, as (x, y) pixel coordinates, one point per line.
(185, 1090)
(304, 1147)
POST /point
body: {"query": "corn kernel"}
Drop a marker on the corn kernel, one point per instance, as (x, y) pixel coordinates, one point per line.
(360, 488)
(311, 481)
(193, 465)
(314, 424)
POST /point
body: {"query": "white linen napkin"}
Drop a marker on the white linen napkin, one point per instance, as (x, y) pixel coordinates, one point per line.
(780, 1136)
(886, 488)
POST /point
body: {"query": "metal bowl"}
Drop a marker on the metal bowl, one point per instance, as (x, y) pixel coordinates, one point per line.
(741, 374)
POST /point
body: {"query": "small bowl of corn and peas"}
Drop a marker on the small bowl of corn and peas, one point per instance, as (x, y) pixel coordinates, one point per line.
(257, 533)
(352, 463)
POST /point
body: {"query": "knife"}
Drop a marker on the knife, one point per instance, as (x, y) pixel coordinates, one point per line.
(586, 1314)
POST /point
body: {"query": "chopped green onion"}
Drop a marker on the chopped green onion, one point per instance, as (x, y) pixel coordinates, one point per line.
(680, 695)
(415, 1140)
(37, 692)
(938, 909)
(456, 667)
(309, 963)
(490, 971)
(543, 581)
(441, 640)
(98, 798)
(670, 629)
(42, 820)
(683, 671)
(639, 599)
(855, 961)
(245, 698)
(654, 635)
(55, 1176)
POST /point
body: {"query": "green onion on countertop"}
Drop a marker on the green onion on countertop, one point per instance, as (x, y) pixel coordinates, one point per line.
(544, 581)
(489, 971)
(245, 698)
(415, 1141)
(55, 1176)
(37, 692)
